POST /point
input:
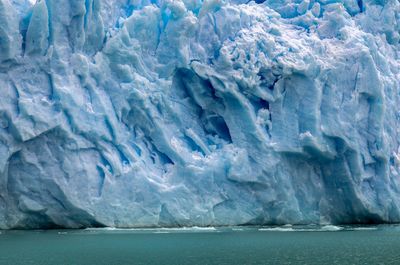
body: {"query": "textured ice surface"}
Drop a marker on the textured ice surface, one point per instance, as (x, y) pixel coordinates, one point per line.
(196, 113)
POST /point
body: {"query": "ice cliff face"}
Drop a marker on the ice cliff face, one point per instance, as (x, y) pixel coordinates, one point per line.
(190, 112)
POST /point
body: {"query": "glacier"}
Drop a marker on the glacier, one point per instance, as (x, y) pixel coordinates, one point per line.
(168, 113)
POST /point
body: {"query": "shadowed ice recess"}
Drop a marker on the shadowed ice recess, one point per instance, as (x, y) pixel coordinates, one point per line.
(139, 113)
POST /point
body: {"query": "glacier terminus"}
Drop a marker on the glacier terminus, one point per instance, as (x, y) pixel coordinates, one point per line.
(167, 113)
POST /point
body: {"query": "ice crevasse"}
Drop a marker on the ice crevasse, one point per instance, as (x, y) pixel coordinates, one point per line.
(138, 113)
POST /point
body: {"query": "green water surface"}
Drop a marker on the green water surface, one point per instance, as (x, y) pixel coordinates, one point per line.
(287, 245)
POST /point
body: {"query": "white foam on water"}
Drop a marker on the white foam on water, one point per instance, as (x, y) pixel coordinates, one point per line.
(290, 228)
(278, 229)
(364, 228)
(161, 229)
(189, 229)
(284, 228)
(331, 228)
(104, 229)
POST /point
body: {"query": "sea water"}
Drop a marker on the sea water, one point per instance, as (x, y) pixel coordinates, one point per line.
(234, 245)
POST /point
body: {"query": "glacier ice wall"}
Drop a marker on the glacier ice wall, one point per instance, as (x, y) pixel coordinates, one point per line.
(189, 112)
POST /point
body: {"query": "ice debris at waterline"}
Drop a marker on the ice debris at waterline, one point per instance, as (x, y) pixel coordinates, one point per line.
(199, 113)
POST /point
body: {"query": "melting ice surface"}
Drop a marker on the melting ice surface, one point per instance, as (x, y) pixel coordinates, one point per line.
(198, 113)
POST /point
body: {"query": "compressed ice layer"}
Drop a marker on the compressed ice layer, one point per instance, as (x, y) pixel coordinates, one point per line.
(197, 113)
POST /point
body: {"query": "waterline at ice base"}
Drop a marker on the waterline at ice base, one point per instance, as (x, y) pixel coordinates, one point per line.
(188, 113)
